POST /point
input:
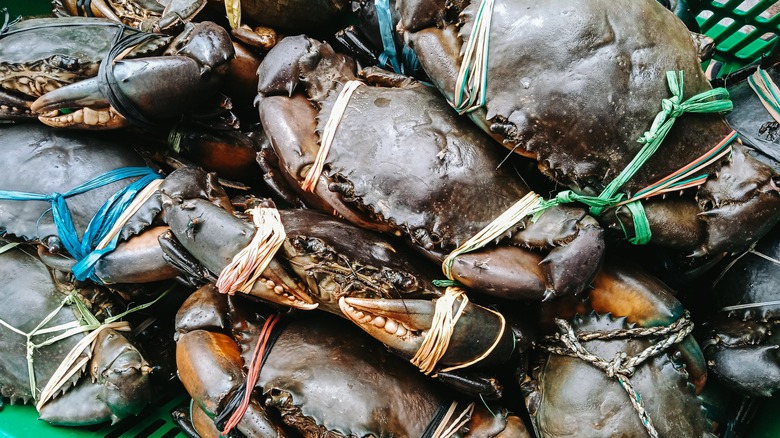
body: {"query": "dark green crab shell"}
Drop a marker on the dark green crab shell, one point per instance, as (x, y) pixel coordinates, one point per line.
(29, 295)
(428, 169)
(40, 159)
(565, 76)
(572, 398)
(43, 54)
(752, 279)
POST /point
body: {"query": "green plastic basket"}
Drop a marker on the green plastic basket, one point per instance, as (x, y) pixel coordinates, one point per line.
(743, 30)
(154, 421)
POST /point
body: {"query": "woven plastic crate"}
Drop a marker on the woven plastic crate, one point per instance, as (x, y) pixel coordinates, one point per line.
(743, 30)
(153, 422)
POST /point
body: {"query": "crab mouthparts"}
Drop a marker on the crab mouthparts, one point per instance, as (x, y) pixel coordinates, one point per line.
(105, 118)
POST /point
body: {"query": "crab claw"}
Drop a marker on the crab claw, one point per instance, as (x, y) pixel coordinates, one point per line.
(301, 59)
(80, 105)
(402, 325)
(120, 386)
(744, 192)
(155, 88)
(214, 236)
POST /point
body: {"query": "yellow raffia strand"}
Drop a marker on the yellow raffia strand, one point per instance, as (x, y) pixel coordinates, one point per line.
(131, 209)
(70, 365)
(521, 209)
(488, 351)
(233, 11)
(442, 431)
(471, 83)
(436, 341)
(247, 266)
(328, 134)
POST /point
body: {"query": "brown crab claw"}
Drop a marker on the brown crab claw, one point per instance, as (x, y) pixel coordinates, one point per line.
(403, 325)
(80, 105)
(98, 8)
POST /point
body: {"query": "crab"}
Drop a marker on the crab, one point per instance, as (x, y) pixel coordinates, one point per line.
(157, 16)
(567, 395)
(307, 380)
(108, 384)
(319, 266)
(750, 118)
(741, 341)
(43, 160)
(67, 72)
(579, 105)
(402, 162)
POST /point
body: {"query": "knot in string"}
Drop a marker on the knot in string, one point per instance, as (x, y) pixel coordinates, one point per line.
(672, 107)
(711, 101)
(621, 366)
(100, 236)
(615, 366)
(54, 197)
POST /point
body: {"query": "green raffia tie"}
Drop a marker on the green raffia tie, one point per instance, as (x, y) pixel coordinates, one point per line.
(711, 101)
(87, 322)
(767, 91)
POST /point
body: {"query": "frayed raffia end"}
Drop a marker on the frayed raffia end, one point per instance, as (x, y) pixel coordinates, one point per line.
(242, 273)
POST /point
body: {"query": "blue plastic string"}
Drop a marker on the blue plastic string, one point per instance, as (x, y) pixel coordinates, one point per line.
(385, 19)
(408, 62)
(100, 224)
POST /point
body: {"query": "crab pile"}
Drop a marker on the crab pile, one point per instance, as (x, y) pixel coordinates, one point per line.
(472, 219)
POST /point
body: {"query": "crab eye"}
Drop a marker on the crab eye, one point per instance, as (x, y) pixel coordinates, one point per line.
(64, 62)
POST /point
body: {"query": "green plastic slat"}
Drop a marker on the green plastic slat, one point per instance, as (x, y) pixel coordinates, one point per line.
(153, 422)
(733, 45)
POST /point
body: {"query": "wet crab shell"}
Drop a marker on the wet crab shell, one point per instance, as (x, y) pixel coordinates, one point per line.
(752, 277)
(39, 159)
(40, 55)
(110, 386)
(601, 83)
(321, 378)
(436, 190)
(571, 397)
(742, 345)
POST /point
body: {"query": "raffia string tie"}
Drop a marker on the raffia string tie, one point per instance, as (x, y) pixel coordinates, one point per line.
(247, 266)
(500, 225)
(621, 366)
(767, 92)
(711, 101)
(84, 249)
(253, 372)
(449, 426)
(70, 364)
(471, 83)
(436, 341)
(328, 134)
